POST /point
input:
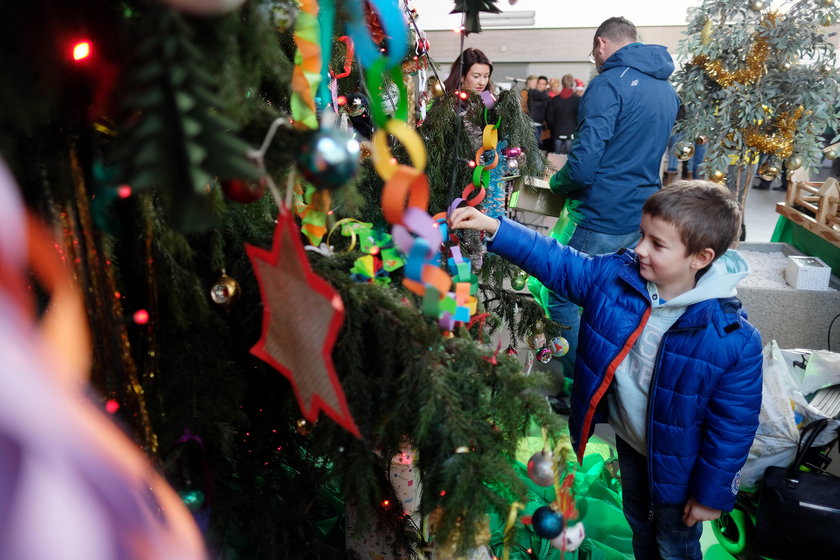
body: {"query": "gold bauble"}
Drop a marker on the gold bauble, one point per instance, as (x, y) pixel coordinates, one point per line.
(437, 89)
(825, 69)
(717, 176)
(683, 150)
(303, 426)
(827, 20)
(756, 5)
(768, 171)
(793, 162)
(830, 154)
(827, 3)
(700, 140)
(225, 291)
(786, 66)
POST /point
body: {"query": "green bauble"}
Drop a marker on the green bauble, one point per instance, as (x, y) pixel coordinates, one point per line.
(519, 281)
(329, 158)
(683, 150)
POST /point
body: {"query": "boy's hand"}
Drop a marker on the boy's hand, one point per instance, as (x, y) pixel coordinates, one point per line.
(695, 511)
(468, 217)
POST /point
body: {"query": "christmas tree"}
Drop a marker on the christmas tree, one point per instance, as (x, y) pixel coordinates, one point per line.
(755, 81)
(156, 138)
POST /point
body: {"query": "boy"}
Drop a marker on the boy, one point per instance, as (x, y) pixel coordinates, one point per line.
(666, 356)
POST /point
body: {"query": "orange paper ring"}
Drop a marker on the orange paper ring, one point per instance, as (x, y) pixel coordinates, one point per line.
(476, 200)
(384, 161)
(438, 278)
(414, 287)
(478, 155)
(406, 184)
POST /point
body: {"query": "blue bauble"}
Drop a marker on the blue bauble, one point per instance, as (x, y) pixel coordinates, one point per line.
(329, 158)
(547, 523)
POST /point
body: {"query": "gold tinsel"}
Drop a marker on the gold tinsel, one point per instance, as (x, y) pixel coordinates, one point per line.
(779, 142)
(756, 58)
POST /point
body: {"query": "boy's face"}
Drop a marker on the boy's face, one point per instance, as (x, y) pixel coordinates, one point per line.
(663, 258)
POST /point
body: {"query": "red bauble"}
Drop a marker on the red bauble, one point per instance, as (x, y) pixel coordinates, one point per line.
(244, 192)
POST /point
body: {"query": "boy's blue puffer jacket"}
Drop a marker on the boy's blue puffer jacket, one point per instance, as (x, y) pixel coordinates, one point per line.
(705, 392)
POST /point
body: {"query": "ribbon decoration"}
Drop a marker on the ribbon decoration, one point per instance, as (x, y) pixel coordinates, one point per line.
(348, 58)
(306, 75)
(310, 207)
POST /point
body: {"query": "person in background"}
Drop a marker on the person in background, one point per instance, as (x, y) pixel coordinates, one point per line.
(667, 356)
(580, 86)
(530, 83)
(561, 116)
(537, 104)
(471, 71)
(554, 87)
(624, 122)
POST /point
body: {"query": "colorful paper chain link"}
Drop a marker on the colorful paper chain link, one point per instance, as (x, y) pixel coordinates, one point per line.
(405, 196)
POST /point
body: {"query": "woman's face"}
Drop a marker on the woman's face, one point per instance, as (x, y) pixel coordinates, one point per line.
(476, 78)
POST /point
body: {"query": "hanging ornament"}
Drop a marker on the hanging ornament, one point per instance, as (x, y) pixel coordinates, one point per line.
(825, 69)
(756, 5)
(244, 192)
(537, 341)
(768, 171)
(786, 66)
(830, 153)
(544, 355)
(570, 539)
(512, 164)
(519, 281)
(559, 346)
(205, 7)
(511, 351)
(437, 88)
(794, 162)
(355, 106)
(541, 468)
(683, 150)
(706, 33)
(513, 152)
(717, 176)
(700, 140)
(828, 3)
(302, 315)
(329, 158)
(547, 523)
(303, 427)
(827, 20)
(225, 291)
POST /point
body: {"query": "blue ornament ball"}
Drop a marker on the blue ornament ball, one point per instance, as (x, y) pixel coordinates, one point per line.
(329, 158)
(547, 523)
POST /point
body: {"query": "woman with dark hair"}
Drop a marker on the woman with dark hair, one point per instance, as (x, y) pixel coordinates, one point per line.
(471, 71)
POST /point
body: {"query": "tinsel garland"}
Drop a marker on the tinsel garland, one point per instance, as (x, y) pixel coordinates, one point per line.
(780, 142)
(747, 75)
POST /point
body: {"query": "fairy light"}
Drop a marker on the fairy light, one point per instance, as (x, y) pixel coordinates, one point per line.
(112, 406)
(141, 317)
(82, 50)
(386, 503)
(124, 191)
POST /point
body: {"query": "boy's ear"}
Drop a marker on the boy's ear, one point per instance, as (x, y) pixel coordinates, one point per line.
(702, 258)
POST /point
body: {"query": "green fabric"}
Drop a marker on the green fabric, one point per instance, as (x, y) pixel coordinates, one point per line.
(561, 182)
(562, 232)
(807, 242)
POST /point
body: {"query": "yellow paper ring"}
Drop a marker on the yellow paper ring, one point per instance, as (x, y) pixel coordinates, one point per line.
(490, 137)
(383, 160)
(352, 234)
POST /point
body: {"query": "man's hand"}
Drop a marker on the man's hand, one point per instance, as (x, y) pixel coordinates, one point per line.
(468, 217)
(694, 512)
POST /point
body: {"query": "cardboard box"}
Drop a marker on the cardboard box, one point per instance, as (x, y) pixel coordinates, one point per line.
(534, 195)
(807, 273)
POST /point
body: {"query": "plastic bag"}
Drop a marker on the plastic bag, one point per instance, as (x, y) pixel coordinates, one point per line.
(790, 379)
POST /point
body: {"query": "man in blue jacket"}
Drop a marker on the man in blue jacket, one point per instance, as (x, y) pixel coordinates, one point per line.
(624, 122)
(666, 356)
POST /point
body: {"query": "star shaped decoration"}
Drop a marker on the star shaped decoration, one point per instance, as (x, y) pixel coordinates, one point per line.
(302, 315)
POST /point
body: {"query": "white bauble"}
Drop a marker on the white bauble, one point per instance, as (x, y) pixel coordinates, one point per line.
(570, 539)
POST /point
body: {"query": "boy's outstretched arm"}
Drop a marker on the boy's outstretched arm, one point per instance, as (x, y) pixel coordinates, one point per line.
(468, 217)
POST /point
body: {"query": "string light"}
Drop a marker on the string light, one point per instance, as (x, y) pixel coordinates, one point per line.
(112, 406)
(141, 316)
(123, 191)
(82, 50)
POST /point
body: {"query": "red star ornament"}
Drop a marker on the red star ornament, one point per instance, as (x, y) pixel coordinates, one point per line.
(302, 315)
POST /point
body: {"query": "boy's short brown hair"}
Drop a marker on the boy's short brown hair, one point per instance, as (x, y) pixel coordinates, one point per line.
(706, 214)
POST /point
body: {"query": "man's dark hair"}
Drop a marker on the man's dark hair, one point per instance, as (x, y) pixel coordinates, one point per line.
(542, 78)
(617, 30)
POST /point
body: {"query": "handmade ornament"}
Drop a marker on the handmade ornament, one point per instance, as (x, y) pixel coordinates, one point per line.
(471, 9)
(559, 346)
(546, 522)
(794, 162)
(683, 150)
(570, 539)
(225, 291)
(541, 468)
(302, 315)
(205, 7)
(544, 355)
(329, 158)
(536, 341)
(243, 191)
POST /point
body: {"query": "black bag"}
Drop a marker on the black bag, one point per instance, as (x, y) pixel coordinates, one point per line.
(799, 511)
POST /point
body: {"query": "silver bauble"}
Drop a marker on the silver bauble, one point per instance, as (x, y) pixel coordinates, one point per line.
(683, 150)
(541, 468)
